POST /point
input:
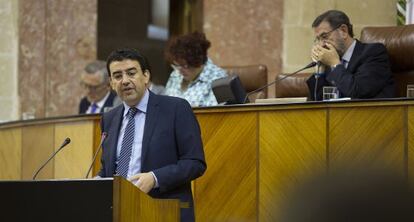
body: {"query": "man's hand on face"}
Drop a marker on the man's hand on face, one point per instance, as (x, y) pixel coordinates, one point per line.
(144, 181)
(326, 54)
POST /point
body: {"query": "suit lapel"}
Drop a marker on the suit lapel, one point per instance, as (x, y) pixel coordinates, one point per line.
(113, 135)
(150, 123)
(109, 101)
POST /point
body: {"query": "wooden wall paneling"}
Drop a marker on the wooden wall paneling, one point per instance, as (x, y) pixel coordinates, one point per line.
(373, 135)
(292, 147)
(37, 146)
(73, 161)
(227, 191)
(10, 153)
(410, 143)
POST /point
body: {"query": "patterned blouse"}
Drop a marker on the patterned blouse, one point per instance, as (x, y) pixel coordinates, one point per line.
(199, 91)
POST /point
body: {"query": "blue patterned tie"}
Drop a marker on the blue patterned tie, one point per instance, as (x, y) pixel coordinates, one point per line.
(126, 147)
(94, 107)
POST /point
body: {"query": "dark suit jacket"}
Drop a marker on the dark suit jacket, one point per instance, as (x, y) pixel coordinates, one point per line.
(368, 75)
(171, 148)
(84, 103)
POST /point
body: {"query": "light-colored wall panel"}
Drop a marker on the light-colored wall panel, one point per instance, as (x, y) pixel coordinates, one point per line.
(370, 135)
(227, 191)
(292, 146)
(8, 60)
(37, 147)
(10, 153)
(75, 158)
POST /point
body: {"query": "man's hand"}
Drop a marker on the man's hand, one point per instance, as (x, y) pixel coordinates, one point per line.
(325, 54)
(144, 181)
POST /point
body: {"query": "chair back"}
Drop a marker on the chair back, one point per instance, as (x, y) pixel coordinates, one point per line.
(399, 41)
(252, 77)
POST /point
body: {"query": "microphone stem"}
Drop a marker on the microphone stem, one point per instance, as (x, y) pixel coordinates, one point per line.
(277, 80)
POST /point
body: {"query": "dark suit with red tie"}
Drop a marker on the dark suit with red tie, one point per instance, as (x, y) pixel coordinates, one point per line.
(368, 75)
(171, 148)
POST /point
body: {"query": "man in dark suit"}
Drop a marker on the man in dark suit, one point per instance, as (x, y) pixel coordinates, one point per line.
(154, 141)
(95, 82)
(358, 70)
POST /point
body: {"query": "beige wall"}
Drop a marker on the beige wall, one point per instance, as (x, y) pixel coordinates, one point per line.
(245, 33)
(299, 15)
(57, 39)
(8, 60)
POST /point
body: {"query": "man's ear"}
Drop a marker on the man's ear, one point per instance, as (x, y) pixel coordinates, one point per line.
(344, 29)
(147, 75)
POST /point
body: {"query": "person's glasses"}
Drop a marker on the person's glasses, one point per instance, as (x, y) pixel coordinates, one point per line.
(177, 67)
(324, 36)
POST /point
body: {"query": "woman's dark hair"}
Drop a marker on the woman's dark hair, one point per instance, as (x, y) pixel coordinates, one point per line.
(335, 18)
(192, 48)
(128, 53)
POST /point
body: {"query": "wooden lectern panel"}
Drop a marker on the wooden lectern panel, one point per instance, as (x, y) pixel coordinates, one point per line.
(130, 204)
(10, 153)
(38, 146)
(372, 134)
(227, 191)
(73, 161)
(292, 145)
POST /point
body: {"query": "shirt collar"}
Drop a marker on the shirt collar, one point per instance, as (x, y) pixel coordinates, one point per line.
(141, 106)
(101, 102)
(349, 51)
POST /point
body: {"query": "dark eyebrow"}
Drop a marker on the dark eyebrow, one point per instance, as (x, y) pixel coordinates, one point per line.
(133, 68)
(120, 71)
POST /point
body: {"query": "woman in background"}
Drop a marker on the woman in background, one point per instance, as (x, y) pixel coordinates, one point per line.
(193, 71)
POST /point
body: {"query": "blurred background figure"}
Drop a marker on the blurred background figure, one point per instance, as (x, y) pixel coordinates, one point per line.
(157, 89)
(98, 94)
(353, 194)
(193, 71)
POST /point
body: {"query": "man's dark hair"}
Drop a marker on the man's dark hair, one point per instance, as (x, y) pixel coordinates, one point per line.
(125, 54)
(335, 18)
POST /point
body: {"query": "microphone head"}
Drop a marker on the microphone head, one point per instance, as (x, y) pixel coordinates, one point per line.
(66, 142)
(104, 134)
(312, 64)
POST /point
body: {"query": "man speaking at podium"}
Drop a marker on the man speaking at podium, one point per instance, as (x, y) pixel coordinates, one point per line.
(358, 70)
(154, 141)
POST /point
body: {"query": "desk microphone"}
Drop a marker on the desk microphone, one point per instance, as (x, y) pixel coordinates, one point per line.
(66, 142)
(310, 65)
(103, 137)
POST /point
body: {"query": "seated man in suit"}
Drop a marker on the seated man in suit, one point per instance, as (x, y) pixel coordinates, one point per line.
(95, 82)
(154, 141)
(358, 70)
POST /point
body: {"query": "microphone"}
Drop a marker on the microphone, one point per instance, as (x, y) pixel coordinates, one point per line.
(310, 65)
(65, 142)
(103, 137)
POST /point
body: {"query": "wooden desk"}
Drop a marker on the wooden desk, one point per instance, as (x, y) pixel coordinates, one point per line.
(254, 153)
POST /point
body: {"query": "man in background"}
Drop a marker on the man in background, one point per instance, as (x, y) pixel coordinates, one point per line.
(358, 70)
(98, 93)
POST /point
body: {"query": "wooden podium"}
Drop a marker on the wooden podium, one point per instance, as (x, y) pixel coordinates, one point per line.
(109, 199)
